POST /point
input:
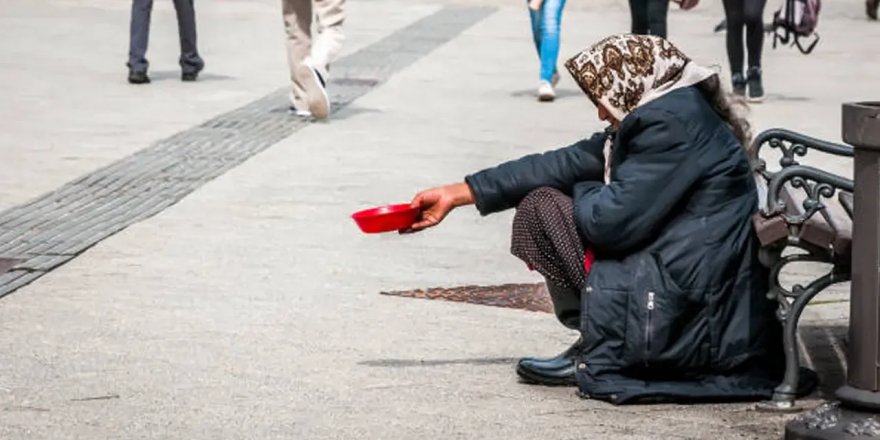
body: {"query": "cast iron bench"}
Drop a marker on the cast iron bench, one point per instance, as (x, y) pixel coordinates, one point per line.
(806, 216)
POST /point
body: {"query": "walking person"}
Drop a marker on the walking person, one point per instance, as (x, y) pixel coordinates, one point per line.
(871, 8)
(546, 18)
(649, 16)
(190, 61)
(310, 56)
(748, 15)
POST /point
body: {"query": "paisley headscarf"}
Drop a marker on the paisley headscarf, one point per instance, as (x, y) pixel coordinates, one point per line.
(623, 72)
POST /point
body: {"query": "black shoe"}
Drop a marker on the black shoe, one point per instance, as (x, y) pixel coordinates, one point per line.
(756, 88)
(138, 77)
(739, 84)
(555, 371)
(871, 8)
(189, 76)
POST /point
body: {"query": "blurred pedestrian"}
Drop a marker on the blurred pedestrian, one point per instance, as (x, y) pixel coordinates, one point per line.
(649, 16)
(309, 56)
(546, 18)
(190, 61)
(748, 15)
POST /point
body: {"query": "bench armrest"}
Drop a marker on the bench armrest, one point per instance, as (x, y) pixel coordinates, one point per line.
(816, 185)
(790, 144)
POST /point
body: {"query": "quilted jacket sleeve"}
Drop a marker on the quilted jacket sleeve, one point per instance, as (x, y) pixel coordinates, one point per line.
(502, 187)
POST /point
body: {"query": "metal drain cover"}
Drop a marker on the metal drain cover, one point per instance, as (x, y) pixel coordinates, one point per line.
(532, 297)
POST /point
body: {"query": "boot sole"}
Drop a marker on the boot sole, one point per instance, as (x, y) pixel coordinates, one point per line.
(144, 80)
(528, 377)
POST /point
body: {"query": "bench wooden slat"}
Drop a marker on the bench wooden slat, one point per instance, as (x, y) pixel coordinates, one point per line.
(769, 229)
(829, 228)
(841, 220)
(846, 199)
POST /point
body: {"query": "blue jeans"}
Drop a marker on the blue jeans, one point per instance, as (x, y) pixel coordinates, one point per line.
(545, 31)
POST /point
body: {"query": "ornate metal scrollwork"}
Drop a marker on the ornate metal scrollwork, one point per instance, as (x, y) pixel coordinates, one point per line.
(781, 294)
(792, 145)
(816, 185)
(788, 152)
(785, 297)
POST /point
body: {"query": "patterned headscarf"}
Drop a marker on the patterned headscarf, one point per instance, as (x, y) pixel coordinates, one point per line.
(623, 72)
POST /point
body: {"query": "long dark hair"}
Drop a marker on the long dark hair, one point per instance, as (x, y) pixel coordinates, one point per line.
(730, 110)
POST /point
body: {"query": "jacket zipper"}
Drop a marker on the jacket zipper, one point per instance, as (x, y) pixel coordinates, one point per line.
(649, 327)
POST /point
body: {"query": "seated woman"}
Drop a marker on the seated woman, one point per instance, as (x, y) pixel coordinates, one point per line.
(643, 234)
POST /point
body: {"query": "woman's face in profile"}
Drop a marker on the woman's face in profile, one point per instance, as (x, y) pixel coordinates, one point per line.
(605, 115)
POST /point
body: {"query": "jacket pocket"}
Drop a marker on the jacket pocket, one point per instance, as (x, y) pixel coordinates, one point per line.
(667, 328)
(603, 326)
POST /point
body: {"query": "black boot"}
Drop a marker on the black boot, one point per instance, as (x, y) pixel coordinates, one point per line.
(554, 371)
(756, 87)
(138, 77)
(739, 84)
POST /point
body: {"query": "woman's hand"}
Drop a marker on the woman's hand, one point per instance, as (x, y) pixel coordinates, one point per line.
(435, 203)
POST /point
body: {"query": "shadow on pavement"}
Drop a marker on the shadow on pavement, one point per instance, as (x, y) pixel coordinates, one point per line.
(560, 93)
(165, 75)
(401, 363)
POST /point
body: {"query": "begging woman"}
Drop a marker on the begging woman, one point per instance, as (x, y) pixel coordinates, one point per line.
(643, 234)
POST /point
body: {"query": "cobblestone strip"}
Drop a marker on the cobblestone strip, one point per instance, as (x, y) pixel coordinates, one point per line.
(51, 230)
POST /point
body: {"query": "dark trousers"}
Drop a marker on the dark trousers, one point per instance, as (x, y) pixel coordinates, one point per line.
(748, 14)
(190, 61)
(649, 17)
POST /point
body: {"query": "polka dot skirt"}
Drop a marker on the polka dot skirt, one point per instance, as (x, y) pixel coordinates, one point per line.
(546, 239)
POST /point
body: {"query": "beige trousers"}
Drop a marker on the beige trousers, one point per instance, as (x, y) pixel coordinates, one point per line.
(319, 51)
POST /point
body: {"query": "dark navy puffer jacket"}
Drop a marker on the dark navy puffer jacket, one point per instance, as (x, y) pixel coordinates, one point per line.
(675, 306)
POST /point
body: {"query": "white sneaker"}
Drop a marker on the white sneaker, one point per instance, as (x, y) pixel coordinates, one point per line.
(311, 81)
(545, 92)
(303, 113)
(300, 113)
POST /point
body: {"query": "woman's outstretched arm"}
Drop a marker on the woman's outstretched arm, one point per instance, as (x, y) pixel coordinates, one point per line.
(504, 186)
(435, 203)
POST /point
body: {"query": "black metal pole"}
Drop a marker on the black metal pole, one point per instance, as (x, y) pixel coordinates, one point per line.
(857, 415)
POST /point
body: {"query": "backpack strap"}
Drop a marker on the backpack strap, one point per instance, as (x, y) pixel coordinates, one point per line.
(809, 48)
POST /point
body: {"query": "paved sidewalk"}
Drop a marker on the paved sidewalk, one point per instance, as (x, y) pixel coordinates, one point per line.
(250, 309)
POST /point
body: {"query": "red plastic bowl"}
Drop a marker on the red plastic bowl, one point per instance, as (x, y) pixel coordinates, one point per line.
(386, 218)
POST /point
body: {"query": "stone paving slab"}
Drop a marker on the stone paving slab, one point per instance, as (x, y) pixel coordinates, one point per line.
(54, 228)
(70, 111)
(250, 309)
